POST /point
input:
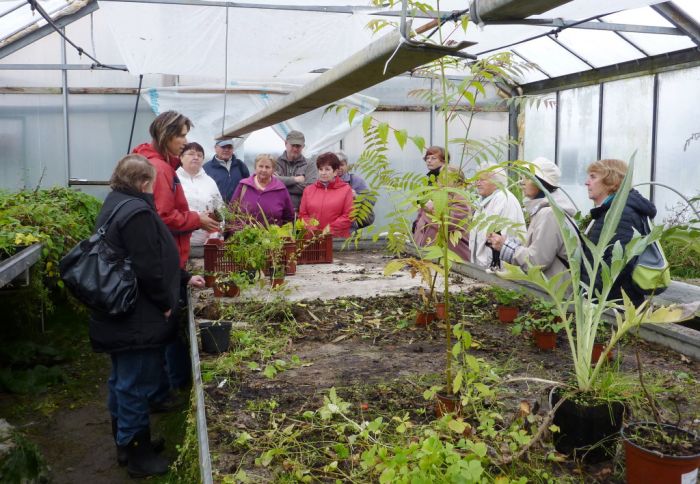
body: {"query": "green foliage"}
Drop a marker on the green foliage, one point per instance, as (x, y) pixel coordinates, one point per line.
(57, 217)
(23, 461)
(506, 297)
(541, 316)
(252, 246)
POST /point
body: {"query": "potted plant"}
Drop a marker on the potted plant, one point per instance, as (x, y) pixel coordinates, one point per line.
(230, 285)
(589, 307)
(506, 303)
(542, 322)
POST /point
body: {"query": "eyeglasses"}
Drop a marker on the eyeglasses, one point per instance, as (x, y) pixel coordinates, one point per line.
(431, 157)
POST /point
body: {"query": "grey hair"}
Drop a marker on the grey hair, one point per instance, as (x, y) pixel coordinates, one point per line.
(342, 156)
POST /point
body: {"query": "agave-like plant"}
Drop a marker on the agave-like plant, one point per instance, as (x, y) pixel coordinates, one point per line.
(587, 303)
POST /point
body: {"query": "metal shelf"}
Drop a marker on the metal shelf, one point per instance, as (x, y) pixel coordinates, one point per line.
(19, 264)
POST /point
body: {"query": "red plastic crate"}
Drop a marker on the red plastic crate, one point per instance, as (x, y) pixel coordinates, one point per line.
(215, 259)
(317, 251)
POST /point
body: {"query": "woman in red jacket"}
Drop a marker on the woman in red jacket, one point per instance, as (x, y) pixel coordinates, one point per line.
(169, 136)
(329, 200)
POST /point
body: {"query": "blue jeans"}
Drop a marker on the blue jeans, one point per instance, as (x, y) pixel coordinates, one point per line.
(177, 368)
(135, 376)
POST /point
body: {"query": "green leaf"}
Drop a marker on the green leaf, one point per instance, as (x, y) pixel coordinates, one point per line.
(383, 131)
(351, 115)
(457, 426)
(401, 137)
(419, 141)
(366, 123)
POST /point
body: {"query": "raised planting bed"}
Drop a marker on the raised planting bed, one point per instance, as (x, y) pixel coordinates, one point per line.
(324, 390)
(19, 263)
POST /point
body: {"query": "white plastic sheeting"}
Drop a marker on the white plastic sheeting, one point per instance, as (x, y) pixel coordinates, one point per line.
(284, 45)
(322, 130)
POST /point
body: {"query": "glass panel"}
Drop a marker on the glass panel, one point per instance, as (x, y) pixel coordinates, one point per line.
(551, 58)
(578, 140)
(31, 141)
(538, 134)
(627, 126)
(677, 158)
(99, 132)
(638, 16)
(599, 47)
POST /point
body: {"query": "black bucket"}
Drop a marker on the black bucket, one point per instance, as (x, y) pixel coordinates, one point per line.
(587, 432)
(216, 336)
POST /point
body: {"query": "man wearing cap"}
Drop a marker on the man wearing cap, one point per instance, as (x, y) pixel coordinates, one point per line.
(226, 169)
(544, 244)
(293, 169)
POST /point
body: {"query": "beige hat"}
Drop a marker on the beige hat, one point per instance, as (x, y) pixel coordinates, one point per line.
(295, 137)
(547, 171)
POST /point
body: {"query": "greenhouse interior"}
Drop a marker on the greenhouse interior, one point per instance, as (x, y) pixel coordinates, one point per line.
(390, 241)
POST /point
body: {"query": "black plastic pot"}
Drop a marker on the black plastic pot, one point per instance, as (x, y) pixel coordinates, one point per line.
(587, 432)
(216, 336)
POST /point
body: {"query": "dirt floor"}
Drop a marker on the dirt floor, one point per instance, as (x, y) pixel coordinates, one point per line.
(357, 335)
(369, 349)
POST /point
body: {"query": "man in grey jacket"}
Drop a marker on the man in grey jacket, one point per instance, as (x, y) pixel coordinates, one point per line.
(293, 169)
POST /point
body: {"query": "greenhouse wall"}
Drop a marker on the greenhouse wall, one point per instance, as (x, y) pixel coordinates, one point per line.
(629, 120)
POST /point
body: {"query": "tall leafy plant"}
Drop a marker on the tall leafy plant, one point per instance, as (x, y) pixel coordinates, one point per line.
(447, 194)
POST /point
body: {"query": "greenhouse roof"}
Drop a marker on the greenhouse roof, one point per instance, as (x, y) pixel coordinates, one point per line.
(577, 41)
(293, 39)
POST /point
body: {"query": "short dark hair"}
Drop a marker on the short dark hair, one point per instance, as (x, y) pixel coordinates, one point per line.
(131, 172)
(328, 159)
(165, 127)
(193, 146)
(437, 151)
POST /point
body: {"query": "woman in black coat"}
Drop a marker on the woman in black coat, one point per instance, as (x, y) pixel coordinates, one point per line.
(603, 182)
(135, 341)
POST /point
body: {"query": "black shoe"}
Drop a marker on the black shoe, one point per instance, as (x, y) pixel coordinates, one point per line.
(173, 402)
(122, 457)
(143, 461)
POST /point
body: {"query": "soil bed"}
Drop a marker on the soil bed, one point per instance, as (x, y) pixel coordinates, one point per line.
(268, 425)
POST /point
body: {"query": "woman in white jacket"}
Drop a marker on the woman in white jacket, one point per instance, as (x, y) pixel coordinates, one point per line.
(544, 245)
(496, 199)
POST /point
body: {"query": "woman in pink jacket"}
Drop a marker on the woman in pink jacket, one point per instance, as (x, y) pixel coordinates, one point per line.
(329, 200)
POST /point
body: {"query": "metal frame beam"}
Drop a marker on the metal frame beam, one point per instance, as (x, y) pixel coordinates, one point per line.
(680, 19)
(486, 11)
(573, 24)
(45, 30)
(56, 67)
(679, 59)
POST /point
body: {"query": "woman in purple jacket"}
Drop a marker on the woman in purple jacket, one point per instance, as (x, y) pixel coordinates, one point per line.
(262, 195)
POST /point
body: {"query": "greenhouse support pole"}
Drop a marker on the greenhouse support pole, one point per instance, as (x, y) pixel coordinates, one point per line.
(432, 115)
(64, 86)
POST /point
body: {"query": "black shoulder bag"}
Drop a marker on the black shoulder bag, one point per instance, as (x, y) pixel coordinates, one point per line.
(98, 276)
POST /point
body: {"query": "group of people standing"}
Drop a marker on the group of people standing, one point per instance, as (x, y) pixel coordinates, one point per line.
(543, 243)
(175, 192)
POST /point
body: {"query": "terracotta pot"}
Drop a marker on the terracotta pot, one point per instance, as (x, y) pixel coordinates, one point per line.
(445, 404)
(597, 351)
(644, 466)
(277, 281)
(545, 340)
(587, 432)
(507, 314)
(423, 317)
(209, 281)
(227, 290)
(440, 311)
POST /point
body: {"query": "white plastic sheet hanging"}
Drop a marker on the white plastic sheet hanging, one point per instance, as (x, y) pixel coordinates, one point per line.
(243, 99)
